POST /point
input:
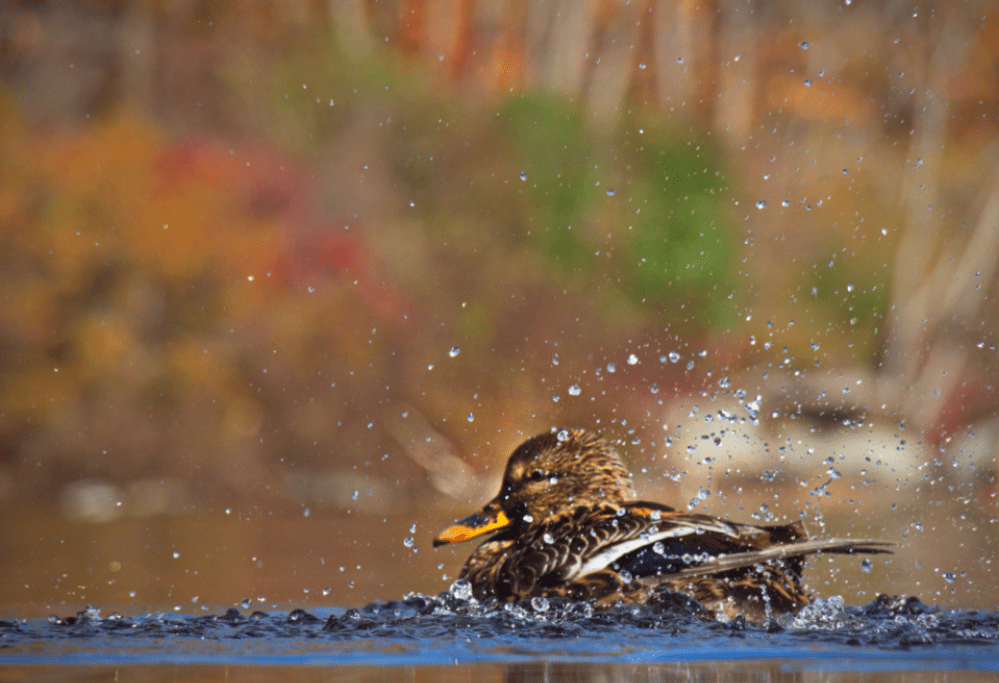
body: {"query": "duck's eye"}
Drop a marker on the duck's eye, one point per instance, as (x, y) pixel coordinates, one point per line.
(537, 476)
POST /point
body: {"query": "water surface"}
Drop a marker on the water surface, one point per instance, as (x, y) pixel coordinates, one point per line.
(451, 637)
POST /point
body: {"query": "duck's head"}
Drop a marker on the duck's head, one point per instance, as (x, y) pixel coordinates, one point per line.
(547, 474)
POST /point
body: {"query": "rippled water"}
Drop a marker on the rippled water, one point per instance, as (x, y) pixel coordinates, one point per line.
(889, 634)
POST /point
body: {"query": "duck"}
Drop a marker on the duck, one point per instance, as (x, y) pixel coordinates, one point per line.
(567, 523)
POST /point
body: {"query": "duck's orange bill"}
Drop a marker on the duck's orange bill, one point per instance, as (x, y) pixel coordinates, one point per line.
(489, 519)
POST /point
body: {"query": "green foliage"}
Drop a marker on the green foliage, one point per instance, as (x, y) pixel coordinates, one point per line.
(673, 232)
(853, 303)
(551, 147)
(681, 238)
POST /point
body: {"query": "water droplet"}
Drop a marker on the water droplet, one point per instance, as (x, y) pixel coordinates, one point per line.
(461, 589)
(632, 359)
(808, 82)
(548, 539)
(408, 541)
(804, 46)
(176, 555)
(698, 499)
(554, 359)
(471, 418)
(574, 390)
(654, 388)
(412, 528)
(245, 604)
(562, 435)
(690, 365)
(785, 203)
(611, 367)
(523, 176)
(611, 192)
(625, 576)
(949, 577)
(455, 350)
(326, 591)
(674, 357)
(761, 205)
(528, 518)
(306, 512)
(539, 604)
(354, 495)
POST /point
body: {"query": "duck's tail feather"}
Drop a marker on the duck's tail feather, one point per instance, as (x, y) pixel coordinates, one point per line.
(754, 558)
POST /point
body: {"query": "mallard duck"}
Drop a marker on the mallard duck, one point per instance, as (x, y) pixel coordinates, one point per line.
(566, 523)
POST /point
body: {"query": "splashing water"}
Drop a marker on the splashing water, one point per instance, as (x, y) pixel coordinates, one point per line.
(464, 628)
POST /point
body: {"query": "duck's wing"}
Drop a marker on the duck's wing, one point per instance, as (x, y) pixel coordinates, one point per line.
(588, 540)
(744, 559)
(652, 544)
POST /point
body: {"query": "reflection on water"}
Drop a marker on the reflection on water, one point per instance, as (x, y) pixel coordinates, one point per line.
(775, 671)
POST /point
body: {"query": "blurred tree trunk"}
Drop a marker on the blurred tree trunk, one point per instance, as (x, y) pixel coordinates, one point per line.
(559, 42)
(738, 58)
(942, 273)
(679, 44)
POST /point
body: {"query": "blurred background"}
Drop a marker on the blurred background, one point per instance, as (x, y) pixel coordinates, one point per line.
(284, 283)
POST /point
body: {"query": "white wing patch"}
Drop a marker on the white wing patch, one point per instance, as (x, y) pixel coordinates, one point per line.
(612, 552)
